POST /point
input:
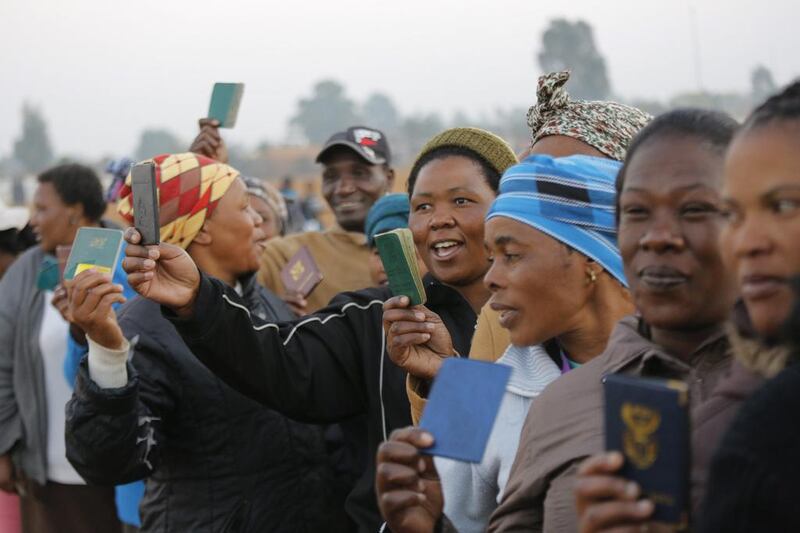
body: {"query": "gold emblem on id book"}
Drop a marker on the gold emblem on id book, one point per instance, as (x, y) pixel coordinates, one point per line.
(639, 441)
(297, 271)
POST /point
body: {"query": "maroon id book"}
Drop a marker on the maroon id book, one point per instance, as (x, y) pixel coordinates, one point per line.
(301, 274)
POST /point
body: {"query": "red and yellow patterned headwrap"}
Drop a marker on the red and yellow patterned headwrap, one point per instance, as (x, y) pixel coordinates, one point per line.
(189, 188)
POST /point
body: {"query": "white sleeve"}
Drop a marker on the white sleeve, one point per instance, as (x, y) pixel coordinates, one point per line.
(107, 367)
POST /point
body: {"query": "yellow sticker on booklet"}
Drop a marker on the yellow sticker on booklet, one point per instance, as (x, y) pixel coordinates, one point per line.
(86, 266)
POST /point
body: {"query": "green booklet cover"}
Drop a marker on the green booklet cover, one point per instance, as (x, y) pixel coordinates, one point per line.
(94, 248)
(399, 257)
(225, 100)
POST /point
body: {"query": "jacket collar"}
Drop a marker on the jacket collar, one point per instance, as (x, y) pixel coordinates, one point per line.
(630, 340)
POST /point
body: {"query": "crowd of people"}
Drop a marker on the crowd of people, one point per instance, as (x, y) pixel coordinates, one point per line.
(190, 390)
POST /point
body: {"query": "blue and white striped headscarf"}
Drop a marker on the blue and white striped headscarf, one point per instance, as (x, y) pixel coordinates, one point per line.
(571, 199)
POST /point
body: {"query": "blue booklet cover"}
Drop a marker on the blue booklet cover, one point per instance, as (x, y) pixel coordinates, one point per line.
(462, 407)
(648, 421)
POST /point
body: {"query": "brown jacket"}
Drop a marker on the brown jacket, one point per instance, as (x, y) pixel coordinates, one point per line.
(342, 256)
(565, 425)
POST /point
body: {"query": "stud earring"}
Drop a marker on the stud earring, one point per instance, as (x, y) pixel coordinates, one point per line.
(592, 276)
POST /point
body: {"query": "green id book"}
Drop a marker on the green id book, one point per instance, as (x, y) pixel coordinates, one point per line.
(225, 100)
(399, 257)
(94, 248)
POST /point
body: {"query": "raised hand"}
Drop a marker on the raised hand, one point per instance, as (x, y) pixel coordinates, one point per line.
(608, 502)
(91, 296)
(407, 484)
(209, 141)
(164, 273)
(416, 338)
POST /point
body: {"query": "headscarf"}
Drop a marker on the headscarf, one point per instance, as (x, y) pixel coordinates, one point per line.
(272, 196)
(606, 126)
(388, 213)
(571, 199)
(189, 188)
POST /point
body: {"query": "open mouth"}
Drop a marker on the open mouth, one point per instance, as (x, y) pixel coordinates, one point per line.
(662, 278)
(445, 249)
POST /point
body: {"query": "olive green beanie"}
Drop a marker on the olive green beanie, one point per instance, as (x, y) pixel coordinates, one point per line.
(494, 150)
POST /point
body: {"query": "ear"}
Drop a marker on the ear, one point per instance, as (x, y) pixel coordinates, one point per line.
(389, 179)
(203, 237)
(75, 214)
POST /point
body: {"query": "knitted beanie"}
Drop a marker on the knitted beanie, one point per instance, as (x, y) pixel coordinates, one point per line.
(494, 150)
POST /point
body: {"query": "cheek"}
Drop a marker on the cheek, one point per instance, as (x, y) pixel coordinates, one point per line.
(787, 236)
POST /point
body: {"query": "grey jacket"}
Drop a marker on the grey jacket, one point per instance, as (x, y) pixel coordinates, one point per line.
(23, 416)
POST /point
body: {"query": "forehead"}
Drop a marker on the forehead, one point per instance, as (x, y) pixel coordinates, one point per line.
(665, 164)
(451, 172)
(46, 192)
(341, 156)
(764, 158)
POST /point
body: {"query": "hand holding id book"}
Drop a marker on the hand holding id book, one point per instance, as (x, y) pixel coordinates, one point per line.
(647, 420)
(399, 258)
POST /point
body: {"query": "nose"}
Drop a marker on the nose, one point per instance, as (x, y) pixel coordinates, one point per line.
(663, 235)
(442, 218)
(750, 238)
(494, 279)
(344, 186)
(257, 218)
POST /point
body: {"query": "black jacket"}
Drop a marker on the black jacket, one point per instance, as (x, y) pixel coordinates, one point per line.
(325, 367)
(215, 461)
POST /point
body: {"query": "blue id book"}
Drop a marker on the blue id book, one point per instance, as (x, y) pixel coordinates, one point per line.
(462, 407)
(647, 420)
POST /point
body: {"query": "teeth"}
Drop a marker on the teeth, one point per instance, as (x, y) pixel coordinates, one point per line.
(445, 244)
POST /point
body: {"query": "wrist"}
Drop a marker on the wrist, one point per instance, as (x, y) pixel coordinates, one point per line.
(109, 338)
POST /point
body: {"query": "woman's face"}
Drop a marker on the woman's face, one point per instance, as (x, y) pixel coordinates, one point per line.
(669, 226)
(538, 285)
(270, 223)
(236, 240)
(448, 206)
(761, 239)
(54, 222)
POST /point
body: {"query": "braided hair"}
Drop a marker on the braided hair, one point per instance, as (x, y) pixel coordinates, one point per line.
(780, 107)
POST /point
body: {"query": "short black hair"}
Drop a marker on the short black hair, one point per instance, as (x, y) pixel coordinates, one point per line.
(14, 241)
(782, 106)
(714, 128)
(491, 175)
(77, 184)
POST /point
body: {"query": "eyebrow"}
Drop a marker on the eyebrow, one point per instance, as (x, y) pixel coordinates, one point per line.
(782, 188)
(691, 187)
(502, 240)
(450, 190)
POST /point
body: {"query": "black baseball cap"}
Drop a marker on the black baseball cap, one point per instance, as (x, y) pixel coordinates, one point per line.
(370, 144)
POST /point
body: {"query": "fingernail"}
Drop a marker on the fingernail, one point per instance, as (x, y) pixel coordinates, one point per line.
(426, 336)
(419, 316)
(153, 253)
(426, 439)
(149, 263)
(404, 300)
(429, 326)
(631, 490)
(421, 465)
(420, 486)
(644, 506)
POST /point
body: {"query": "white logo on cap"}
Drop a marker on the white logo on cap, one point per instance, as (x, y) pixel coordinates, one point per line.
(371, 136)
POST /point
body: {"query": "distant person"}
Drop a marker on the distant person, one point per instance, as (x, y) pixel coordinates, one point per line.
(294, 206)
(268, 202)
(33, 391)
(16, 235)
(311, 206)
(356, 172)
(214, 459)
(387, 214)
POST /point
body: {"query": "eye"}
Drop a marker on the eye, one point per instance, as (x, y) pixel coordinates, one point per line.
(785, 206)
(731, 215)
(509, 257)
(634, 211)
(699, 210)
(462, 201)
(422, 207)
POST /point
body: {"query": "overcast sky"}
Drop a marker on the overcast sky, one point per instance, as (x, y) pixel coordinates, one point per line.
(101, 71)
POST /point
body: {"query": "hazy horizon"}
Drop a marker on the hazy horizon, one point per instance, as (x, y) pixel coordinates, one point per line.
(101, 72)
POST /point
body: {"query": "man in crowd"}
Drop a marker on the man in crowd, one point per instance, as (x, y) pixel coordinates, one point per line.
(356, 172)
